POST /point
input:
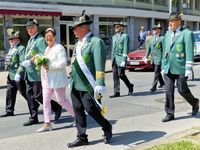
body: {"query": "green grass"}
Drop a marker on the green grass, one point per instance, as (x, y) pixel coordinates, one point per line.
(181, 145)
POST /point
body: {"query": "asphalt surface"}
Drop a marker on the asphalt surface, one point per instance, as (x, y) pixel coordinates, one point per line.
(136, 119)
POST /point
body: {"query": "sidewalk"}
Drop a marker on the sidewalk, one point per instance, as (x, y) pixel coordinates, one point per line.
(3, 74)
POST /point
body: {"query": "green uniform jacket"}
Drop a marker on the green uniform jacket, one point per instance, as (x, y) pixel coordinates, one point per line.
(178, 56)
(13, 61)
(94, 56)
(38, 46)
(119, 48)
(155, 49)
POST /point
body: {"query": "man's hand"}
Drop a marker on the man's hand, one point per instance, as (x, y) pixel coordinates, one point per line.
(26, 63)
(99, 89)
(162, 72)
(188, 74)
(17, 77)
(145, 60)
(122, 64)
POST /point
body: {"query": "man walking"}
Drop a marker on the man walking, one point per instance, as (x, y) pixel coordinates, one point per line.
(119, 59)
(177, 63)
(15, 78)
(155, 50)
(36, 46)
(141, 37)
(87, 80)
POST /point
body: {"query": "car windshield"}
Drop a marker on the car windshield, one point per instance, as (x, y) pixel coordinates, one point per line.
(197, 37)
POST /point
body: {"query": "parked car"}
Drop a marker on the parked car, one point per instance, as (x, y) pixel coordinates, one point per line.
(196, 44)
(135, 60)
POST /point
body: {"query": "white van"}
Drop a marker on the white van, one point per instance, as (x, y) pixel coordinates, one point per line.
(196, 44)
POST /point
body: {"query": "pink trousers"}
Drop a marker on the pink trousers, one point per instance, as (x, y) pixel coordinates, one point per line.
(60, 97)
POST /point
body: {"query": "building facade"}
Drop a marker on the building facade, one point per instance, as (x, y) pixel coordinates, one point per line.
(60, 13)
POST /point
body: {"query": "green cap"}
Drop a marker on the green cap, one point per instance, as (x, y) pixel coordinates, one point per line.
(158, 26)
(175, 16)
(32, 22)
(119, 23)
(14, 35)
(83, 19)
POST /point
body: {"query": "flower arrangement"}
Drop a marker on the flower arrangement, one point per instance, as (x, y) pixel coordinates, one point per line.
(39, 61)
(31, 53)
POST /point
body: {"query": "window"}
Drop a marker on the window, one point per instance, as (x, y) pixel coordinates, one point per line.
(20, 23)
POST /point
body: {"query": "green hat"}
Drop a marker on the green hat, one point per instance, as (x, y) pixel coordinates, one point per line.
(158, 26)
(118, 23)
(83, 19)
(175, 16)
(32, 22)
(14, 35)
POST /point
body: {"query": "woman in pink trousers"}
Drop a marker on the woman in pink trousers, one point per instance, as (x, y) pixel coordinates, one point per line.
(54, 78)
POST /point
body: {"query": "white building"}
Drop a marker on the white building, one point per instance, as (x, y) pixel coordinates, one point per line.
(60, 13)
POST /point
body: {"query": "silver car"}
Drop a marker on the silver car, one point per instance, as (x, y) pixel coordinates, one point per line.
(196, 44)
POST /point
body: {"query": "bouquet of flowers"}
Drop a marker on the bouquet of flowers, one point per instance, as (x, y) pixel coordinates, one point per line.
(31, 53)
(39, 61)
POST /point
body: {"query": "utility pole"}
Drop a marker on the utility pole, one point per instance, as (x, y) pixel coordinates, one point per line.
(170, 6)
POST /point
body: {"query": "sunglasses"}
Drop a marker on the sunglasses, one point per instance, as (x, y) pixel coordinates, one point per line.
(11, 39)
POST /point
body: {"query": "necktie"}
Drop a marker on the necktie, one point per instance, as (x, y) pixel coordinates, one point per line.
(173, 36)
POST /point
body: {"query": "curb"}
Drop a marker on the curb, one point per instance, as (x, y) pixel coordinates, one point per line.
(168, 139)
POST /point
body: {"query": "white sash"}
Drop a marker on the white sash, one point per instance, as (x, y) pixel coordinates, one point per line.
(82, 64)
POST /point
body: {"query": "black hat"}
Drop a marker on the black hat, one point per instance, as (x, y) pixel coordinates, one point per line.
(51, 30)
(32, 22)
(14, 35)
(118, 23)
(158, 26)
(83, 19)
(175, 16)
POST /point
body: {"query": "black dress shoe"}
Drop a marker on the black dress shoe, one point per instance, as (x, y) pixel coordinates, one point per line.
(31, 122)
(168, 118)
(58, 114)
(7, 114)
(130, 91)
(107, 135)
(160, 86)
(78, 142)
(195, 109)
(152, 90)
(115, 95)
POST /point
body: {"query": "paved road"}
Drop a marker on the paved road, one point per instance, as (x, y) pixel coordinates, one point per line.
(135, 119)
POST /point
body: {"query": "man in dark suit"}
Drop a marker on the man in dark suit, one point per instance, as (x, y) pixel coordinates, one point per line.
(177, 64)
(119, 59)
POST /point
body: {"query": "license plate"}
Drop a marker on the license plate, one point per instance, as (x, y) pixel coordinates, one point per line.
(134, 63)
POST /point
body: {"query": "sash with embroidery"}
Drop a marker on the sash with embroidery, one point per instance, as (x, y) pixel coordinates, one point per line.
(87, 78)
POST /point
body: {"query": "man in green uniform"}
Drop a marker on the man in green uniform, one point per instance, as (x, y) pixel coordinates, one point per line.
(87, 80)
(15, 79)
(36, 46)
(155, 50)
(177, 64)
(119, 59)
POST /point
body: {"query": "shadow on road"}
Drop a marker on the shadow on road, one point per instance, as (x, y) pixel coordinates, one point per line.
(147, 93)
(133, 137)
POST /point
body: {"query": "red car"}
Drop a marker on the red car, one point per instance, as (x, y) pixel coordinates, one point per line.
(135, 60)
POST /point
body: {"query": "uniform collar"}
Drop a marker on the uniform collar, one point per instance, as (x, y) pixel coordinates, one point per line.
(86, 37)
